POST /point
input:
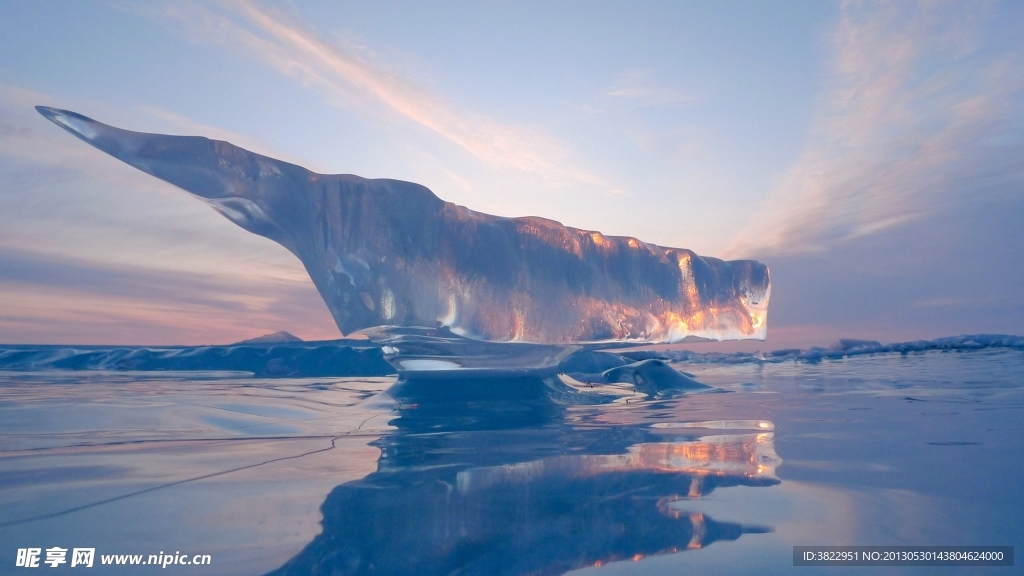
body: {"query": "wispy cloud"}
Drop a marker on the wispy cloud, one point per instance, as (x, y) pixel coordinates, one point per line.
(29, 138)
(349, 78)
(189, 127)
(639, 87)
(924, 98)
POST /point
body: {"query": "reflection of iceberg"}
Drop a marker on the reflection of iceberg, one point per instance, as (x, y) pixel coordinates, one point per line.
(386, 252)
(508, 485)
(414, 523)
(743, 456)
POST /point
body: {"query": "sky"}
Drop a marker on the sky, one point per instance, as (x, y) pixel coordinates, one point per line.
(870, 153)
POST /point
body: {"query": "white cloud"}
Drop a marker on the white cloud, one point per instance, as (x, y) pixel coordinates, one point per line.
(918, 95)
(639, 87)
(350, 79)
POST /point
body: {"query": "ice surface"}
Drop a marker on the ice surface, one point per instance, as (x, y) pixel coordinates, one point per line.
(326, 476)
(387, 252)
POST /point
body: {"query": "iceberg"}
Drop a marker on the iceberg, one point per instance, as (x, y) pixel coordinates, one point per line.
(391, 253)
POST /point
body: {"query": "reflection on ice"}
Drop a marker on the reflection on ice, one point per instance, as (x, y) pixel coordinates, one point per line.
(719, 425)
(749, 456)
(503, 483)
(415, 523)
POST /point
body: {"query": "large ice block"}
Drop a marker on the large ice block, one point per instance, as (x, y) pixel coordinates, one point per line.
(386, 252)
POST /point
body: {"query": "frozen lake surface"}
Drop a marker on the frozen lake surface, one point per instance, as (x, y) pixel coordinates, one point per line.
(328, 475)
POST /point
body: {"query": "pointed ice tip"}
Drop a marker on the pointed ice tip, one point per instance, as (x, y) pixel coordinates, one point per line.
(81, 126)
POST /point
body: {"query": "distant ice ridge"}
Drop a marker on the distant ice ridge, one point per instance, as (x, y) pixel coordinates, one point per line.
(273, 338)
(278, 359)
(387, 252)
(844, 348)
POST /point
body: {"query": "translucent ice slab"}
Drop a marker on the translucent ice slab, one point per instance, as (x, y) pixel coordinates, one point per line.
(387, 252)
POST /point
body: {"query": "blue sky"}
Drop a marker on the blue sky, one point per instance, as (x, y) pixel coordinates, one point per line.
(869, 153)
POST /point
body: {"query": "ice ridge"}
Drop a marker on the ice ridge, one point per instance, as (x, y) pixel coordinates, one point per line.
(365, 358)
(307, 359)
(386, 252)
(817, 353)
